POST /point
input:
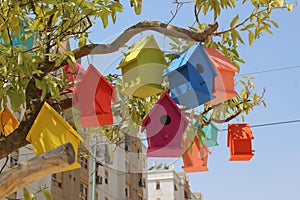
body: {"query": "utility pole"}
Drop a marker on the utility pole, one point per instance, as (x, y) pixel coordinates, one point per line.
(94, 174)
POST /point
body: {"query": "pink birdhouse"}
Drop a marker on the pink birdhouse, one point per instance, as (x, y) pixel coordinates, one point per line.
(93, 94)
(224, 82)
(72, 76)
(164, 127)
(196, 160)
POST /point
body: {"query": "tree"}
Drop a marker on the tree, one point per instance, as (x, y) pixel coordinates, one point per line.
(25, 71)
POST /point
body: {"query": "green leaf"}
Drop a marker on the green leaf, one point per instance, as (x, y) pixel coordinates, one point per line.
(234, 21)
(82, 42)
(290, 7)
(237, 35)
(251, 38)
(16, 98)
(47, 195)
(137, 6)
(274, 23)
(27, 195)
(249, 26)
(3, 25)
(280, 3)
(54, 2)
(104, 18)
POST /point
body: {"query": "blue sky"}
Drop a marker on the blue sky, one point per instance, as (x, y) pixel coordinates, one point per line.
(274, 171)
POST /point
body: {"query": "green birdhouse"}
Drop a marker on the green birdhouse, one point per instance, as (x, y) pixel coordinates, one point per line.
(142, 68)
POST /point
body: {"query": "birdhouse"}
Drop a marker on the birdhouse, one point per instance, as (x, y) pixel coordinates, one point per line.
(224, 82)
(72, 76)
(239, 142)
(8, 122)
(17, 40)
(49, 131)
(195, 160)
(211, 132)
(93, 94)
(191, 75)
(142, 68)
(164, 127)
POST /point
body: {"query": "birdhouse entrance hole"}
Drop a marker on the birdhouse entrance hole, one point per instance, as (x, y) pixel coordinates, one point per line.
(165, 119)
(200, 68)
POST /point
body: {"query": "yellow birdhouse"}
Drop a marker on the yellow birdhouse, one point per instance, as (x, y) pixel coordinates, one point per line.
(49, 131)
(142, 68)
(8, 122)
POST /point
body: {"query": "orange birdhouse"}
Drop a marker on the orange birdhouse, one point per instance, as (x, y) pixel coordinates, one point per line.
(49, 131)
(94, 95)
(224, 82)
(8, 122)
(239, 141)
(196, 160)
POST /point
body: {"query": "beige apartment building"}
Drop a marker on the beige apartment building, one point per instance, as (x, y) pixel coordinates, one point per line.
(108, 173)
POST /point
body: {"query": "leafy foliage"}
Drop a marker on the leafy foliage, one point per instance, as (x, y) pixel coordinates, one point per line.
(54, 22)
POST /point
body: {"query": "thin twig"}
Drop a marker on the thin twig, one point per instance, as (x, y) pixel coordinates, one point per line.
(240, 24)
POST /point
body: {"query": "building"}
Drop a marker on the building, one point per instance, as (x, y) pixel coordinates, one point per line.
(115, 174)
(165, 184)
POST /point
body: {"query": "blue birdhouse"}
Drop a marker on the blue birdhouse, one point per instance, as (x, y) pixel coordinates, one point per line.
(191, 76)
(18, 40)
(211, 132)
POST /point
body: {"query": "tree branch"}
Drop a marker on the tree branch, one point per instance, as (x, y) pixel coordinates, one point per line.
(36, 168)
(157, 26)
(17, 139)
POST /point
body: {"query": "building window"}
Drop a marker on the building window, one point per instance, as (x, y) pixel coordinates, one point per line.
(140, 197)
(127, 191)
(127, 143)
(84, 162)
(107, 155)
(14, 158)
(158, 185)
(175, 187)
(99, 180)
(56, 179)
(106, 177)
(83, 193)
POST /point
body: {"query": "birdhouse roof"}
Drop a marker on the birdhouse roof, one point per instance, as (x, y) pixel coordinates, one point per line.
(184, 59)
(153, 110)
(92, 69)
(59, 118)
(147, 43)
(219, 60)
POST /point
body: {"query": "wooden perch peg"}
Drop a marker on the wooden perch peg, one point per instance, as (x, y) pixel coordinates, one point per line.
(36, 168)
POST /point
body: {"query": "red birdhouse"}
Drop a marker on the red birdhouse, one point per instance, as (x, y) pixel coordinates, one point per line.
(93, 94)
(195, 160)
(224, 82)
(164, 127)
(72, 76)
(239, 142)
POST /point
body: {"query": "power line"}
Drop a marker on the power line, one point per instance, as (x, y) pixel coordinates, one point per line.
(269, 70)
(272, 124)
